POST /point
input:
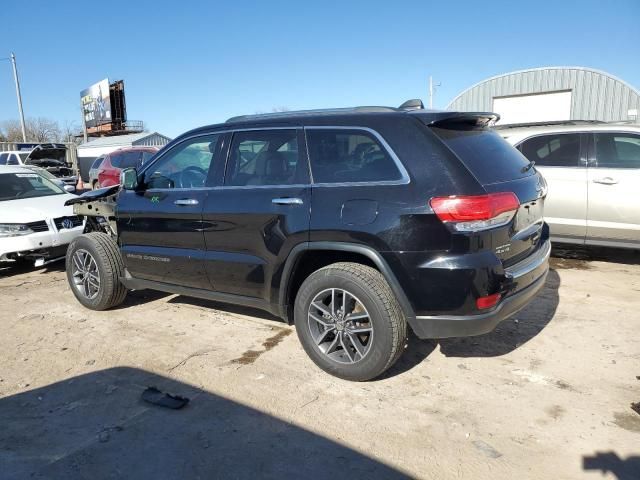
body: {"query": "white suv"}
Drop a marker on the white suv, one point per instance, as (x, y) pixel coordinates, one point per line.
(593, 173)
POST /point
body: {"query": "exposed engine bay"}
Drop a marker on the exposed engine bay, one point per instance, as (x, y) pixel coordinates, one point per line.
(99, 208)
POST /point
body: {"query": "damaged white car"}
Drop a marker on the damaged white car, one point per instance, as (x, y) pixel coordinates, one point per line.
(35, 225)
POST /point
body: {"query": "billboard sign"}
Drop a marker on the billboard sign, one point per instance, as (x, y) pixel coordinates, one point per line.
(96, 104)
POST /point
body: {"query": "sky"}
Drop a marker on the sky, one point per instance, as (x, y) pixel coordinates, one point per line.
(191, 63)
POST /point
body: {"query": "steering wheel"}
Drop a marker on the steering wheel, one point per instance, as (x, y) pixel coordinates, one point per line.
(192, 177)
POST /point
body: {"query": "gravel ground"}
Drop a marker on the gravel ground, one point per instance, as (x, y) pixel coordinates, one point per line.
(548, 394)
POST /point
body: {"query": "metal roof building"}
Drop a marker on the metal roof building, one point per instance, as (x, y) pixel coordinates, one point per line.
(99, 146)
(552, 93)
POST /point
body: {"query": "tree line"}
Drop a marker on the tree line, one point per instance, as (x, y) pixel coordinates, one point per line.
(41, 130)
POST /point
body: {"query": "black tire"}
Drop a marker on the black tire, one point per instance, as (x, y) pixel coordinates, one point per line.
(108, 263)
(367, 286)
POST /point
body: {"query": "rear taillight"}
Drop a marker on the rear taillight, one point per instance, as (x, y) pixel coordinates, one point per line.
(468, 213)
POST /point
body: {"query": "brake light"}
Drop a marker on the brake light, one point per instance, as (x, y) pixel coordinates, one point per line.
(487, 302)
(467, 213)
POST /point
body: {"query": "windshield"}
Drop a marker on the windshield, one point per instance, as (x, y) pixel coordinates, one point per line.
(14, 186)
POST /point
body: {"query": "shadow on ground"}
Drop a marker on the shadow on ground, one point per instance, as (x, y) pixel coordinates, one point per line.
(565, 256)
(10, 269)
(507, 336)
(95, 426)
(513, 332)
(610, 462)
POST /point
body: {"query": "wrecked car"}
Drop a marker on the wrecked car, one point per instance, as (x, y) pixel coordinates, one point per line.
(35, 224)
(354, 224)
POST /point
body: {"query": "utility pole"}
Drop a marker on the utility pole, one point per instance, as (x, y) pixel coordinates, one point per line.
(84, 122)
(432, 88)
(15, 77)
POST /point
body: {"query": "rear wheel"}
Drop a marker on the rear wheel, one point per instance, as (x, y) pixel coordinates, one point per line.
(349, 321)
(94, 267)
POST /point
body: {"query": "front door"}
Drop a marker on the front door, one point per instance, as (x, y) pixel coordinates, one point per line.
(561, 158)
(262, 211)
(160, 224)
(614, 189)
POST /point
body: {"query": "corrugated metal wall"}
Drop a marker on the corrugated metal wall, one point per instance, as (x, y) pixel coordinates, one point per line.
(595, 95)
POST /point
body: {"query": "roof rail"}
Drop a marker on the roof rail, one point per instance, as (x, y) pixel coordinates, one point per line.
(302, 113)
(414, 104)
(549, 123)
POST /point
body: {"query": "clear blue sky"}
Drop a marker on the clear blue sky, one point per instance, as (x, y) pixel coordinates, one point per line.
(189, 63)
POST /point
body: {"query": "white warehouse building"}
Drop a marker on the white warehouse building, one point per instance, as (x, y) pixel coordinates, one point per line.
(552, 94)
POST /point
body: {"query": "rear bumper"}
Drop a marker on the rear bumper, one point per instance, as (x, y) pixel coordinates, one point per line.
(524, 281)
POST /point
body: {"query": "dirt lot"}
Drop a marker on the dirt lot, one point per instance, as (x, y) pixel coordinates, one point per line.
(547, 395)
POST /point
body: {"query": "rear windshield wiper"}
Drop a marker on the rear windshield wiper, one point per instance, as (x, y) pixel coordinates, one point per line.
(528, 167)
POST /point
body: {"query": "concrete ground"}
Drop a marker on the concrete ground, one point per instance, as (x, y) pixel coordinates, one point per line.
(546, 395)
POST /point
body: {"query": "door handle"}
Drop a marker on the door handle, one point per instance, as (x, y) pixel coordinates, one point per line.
(287, 201)
(605, 181)
(186, 202)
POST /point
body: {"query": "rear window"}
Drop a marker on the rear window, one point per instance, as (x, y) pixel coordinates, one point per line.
(489, 157)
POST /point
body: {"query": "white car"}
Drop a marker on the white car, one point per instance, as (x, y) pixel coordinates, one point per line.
(34, 222)
(593, 173)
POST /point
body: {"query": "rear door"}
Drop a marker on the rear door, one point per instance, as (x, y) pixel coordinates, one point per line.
(261, 212)
(614, 189)
(561, 159)
(160, 225)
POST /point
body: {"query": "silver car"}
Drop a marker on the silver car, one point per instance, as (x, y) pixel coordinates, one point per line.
(593, 174)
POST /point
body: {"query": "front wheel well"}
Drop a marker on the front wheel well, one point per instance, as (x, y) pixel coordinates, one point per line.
(311, 260)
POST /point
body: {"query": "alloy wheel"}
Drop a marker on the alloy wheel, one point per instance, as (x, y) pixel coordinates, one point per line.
(340, 325)
(86, 276)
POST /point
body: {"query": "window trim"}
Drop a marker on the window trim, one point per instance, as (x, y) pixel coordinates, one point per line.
(583, 154)
(304, 150)
(404, 175)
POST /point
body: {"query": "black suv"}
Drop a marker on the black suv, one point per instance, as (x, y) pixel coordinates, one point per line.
(350, 223)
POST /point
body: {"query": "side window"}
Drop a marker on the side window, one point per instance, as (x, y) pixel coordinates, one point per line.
(617, 150)
(265, 157)
(186, 165)
(126, 159)
(4, 158)
(349, 156)
(556, 150)
(13, 160)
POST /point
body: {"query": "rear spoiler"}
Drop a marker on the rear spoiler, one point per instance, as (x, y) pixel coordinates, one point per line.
(443, 118)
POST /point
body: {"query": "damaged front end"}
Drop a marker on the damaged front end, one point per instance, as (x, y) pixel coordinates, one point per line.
(99, 208)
